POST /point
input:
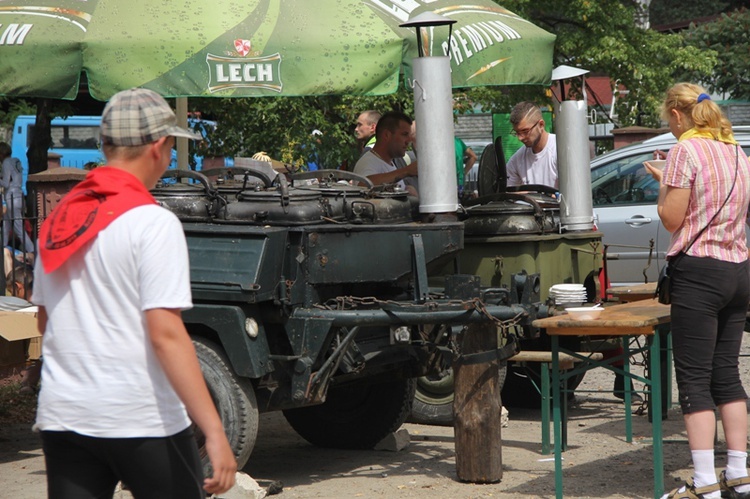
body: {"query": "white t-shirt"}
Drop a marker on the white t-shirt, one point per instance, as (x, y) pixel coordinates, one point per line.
(525, 167)
(371, 164)
(100, 375)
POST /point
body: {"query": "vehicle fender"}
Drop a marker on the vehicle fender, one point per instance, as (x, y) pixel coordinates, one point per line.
(233, 327)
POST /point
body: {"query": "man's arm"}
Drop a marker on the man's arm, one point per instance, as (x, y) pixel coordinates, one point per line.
(177, 357)
(470, 157)
(394, 176)
(41, 319)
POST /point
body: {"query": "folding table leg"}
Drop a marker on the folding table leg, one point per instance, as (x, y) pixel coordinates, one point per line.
(556, 415)
(656, 403)
(545, 408)
(628, 392)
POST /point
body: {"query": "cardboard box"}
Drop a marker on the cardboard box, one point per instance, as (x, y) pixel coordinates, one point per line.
(15, 327)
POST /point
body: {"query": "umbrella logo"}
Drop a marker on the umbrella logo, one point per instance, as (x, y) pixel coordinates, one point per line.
(228, 73)
(242, 47)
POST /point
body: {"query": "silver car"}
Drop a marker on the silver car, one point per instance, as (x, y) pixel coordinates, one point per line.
(625, 197)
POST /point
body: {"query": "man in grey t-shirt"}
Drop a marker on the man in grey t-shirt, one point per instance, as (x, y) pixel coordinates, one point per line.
(393, 134)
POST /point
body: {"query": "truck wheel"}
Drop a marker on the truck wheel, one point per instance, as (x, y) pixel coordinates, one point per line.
(234, 399)
(355, 416)
(433, 402)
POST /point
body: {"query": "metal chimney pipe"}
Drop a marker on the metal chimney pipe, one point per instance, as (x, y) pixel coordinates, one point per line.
(573, 163)
(433, 110)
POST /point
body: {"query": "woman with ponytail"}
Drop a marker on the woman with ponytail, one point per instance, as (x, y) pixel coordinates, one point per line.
(703, 202)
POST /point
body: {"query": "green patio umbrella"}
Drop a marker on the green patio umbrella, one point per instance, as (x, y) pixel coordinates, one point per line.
(253, 48)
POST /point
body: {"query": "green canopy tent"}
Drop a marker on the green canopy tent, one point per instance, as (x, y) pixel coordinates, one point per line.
(256, 48)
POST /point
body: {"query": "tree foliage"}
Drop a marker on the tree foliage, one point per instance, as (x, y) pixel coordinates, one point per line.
(729, 38)
(601, 36)
(666, 12)
(282, 127)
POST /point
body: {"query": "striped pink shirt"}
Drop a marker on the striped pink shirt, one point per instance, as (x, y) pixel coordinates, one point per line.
(707, 167)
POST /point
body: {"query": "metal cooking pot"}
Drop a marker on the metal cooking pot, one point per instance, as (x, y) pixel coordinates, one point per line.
(280, 206)
(512, 213)
(191, 202)
(230, 181)
(360, 203)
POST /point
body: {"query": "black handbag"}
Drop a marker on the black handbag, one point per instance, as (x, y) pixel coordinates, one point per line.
(664, 284)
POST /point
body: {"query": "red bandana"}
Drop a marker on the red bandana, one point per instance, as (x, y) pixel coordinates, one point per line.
(105, 194)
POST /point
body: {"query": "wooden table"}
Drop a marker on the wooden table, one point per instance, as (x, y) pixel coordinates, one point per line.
(626, 320)
(626, 294)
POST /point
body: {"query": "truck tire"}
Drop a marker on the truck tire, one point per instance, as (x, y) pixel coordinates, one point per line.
(234, 398)
(355, 416)
(433, 402)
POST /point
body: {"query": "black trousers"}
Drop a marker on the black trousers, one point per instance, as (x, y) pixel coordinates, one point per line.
(81, 467)
(709, 303)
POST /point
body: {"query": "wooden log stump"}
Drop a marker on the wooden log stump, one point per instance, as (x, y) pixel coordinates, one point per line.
(477, 408)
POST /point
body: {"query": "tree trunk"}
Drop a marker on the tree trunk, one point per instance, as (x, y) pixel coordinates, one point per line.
(477, 409)
(41, 139)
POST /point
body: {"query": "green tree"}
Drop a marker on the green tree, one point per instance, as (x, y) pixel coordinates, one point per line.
(666, 12)
(282, 127)
(601, 36)
(729, 38)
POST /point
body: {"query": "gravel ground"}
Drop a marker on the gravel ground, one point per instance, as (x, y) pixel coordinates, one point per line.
(599, 462)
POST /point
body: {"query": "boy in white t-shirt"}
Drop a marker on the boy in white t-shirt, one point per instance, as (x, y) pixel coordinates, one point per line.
(120, 375)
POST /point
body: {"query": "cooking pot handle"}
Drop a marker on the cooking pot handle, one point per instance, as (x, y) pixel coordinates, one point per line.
(532, 187)
(193, 175)
(333, 174)
(506, 196)
(239, 170)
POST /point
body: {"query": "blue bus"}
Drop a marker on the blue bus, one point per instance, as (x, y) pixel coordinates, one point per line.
(76, 140)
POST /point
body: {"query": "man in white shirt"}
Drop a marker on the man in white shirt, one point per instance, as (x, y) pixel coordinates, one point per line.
(121, 383)
(393, 135)
(536, 161)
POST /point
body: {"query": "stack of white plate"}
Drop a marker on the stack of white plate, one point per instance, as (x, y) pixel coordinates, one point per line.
(568, 293)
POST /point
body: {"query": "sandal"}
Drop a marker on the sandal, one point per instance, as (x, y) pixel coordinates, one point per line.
(691, 492)
(727, 486)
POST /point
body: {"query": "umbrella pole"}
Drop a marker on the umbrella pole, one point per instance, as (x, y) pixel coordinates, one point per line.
(182, 142)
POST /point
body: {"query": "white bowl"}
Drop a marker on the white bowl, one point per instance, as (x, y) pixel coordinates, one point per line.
(584, 313)
(656, 163)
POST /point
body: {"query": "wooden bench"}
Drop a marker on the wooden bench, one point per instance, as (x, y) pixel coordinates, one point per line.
(544, 359)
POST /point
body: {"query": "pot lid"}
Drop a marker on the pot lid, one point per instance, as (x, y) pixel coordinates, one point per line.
(511, 203)
(179, 189)
(492, 177)
(275, 196)
(334, 189)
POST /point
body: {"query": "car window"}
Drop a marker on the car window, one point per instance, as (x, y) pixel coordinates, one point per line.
(624, 181)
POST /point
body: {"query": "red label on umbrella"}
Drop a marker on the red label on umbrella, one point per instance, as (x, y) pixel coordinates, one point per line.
(242, 47)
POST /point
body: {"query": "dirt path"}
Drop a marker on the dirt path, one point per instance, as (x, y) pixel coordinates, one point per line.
(598, 464)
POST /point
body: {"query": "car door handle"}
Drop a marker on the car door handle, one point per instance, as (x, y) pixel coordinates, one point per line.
(638, 220)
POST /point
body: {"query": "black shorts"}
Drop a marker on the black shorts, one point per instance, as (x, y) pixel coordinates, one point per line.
(81, 467)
